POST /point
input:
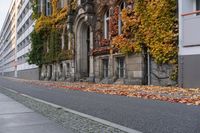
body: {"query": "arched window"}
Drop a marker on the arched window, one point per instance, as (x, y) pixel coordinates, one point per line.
(106, 24)
(122, 5)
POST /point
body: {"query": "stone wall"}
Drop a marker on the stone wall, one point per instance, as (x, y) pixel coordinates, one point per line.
(160, 74)
(31, 74)
(134, 69)
(9, 74)
(58, 71)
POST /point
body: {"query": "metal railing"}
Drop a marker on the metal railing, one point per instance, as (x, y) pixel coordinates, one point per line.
(191, 13)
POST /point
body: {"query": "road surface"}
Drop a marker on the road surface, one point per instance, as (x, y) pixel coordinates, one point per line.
(147, 116)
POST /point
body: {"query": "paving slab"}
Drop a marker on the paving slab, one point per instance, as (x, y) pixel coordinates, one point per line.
(40, 128)
(16, 118)
(4, 98)
(12, 107)
(22, 119)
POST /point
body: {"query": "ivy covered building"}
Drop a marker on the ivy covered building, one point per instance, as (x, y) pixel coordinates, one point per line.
(104, 41)
(91, 40)
(81, 49)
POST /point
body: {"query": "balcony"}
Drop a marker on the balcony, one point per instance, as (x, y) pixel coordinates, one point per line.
(191, 28)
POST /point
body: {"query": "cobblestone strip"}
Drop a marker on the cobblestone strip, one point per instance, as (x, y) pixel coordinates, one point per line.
(78, 122)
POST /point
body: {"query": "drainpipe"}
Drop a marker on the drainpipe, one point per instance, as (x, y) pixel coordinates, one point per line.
(149, 67)
(145, 68)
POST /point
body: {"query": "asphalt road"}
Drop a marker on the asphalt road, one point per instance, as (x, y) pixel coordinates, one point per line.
(147, 116)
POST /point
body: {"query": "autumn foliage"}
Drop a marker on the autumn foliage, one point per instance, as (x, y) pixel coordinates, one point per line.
(171, 94)
(48, 32)
(149, 23)
(47, 22)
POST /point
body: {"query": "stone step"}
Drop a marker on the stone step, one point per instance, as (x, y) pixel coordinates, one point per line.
(119, 81)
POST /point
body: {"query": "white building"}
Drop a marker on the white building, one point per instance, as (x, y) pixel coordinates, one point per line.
(24, 28)
(15, 41)
(8, 43)
(189, 43)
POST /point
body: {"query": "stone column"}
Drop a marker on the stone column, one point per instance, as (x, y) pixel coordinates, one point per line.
(111, 68)
(42, 4)
(53, 72)
(48, 73)
(91, 74)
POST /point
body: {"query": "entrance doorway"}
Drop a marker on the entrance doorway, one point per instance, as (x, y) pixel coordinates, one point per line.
(83, 50)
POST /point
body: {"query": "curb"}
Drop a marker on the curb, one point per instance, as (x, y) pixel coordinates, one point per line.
(105, 122)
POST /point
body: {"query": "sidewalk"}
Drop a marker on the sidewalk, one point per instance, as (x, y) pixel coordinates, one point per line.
(16, 118)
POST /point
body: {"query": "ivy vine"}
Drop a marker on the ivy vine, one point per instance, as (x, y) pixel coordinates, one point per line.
(36, 54)
(153, 24)
(47, 36)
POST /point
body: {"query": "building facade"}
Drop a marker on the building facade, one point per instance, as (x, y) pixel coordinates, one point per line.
(16, 43)
(76, 44)
(8, 43)
(88, 28)
(189, 43)
(25, 26)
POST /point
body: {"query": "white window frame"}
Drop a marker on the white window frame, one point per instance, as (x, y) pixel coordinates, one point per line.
(106, 18)
(120, 15)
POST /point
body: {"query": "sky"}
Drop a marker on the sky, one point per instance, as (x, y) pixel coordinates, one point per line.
(4, 6)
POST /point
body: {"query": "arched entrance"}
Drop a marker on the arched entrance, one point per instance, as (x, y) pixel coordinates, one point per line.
(83, 46)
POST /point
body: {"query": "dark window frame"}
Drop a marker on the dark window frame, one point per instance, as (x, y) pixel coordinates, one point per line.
(121, 67)
(105, 63)
(198, 6)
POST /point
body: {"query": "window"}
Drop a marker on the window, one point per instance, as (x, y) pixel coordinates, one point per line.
(121, 7)
(120, 67)
(61, 69)
(83, 1)
(40, 6)
(48, 8)
(105, 68)
(197, 4)
(65, 2)
(68, 69)
(62, 3)
(106, 24)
